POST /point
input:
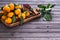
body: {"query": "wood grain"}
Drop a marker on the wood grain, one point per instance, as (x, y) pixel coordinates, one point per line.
(36, 29)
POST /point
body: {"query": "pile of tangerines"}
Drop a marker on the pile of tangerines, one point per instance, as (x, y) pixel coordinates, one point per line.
(12, 11)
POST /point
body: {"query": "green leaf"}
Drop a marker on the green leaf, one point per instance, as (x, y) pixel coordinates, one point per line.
(41, 6)
(42, 12)
(48, 6)
(21, 20)
(1, 15)
(15, 4)
(14, 18)
(48, 17)
(52, 6)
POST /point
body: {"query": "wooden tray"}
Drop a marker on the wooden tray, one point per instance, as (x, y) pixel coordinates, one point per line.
(26, 20)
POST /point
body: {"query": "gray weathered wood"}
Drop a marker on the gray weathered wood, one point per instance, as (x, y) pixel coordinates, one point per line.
(36, 29)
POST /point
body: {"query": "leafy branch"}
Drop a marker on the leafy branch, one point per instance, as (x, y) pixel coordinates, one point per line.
(46, 11)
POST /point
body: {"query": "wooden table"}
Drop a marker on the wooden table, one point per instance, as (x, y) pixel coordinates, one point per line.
(36, 29)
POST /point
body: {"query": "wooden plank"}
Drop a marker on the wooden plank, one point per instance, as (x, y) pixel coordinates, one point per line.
(3, 3)
(17, 0)
(29, 38)
(23, 38)
(24, 31)
(30, 35)
(34, 2)
(54, 38)
(17, 38)
(44, 22)
(30, 0)
(5, 39)
(32, 30)
(37, 35)
(30, 26)
(55, 13)
(33, 26)
(41, 38)
(54, 30)
(37, 30)
(35, 38)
